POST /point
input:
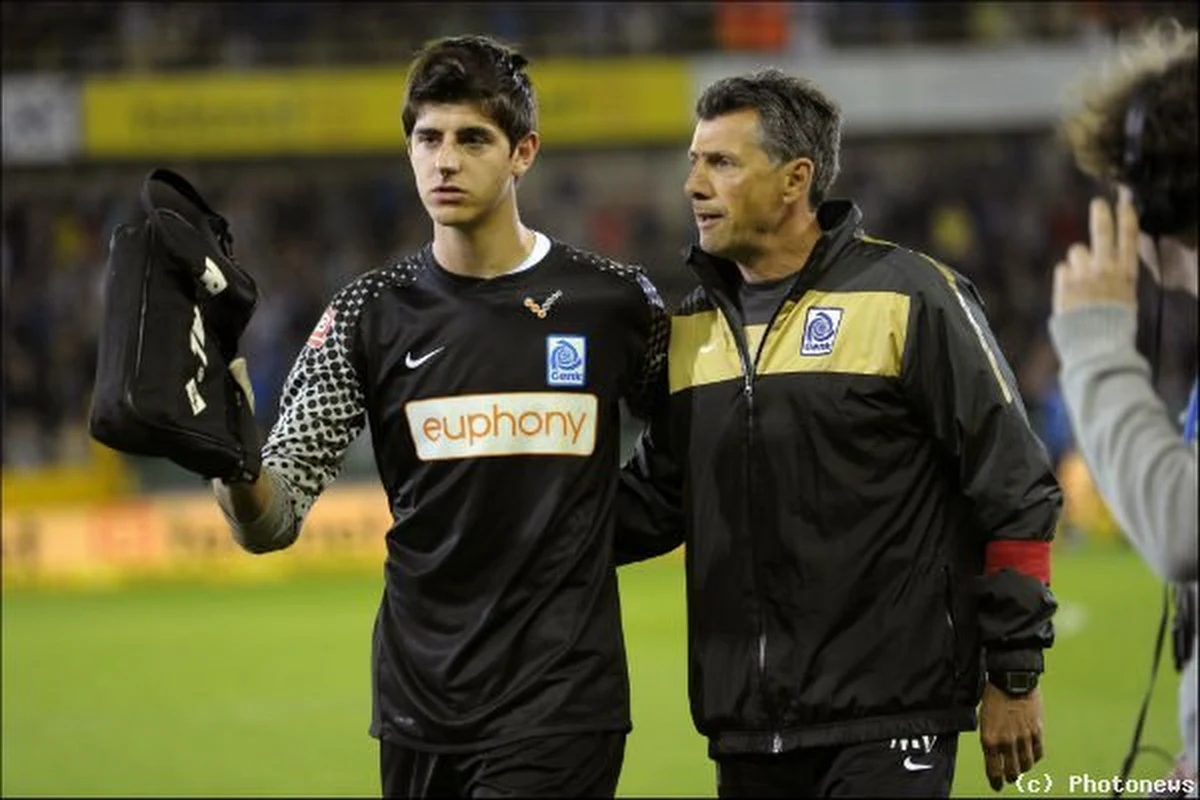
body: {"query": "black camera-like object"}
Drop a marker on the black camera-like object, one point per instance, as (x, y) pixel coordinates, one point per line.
(1164, 206)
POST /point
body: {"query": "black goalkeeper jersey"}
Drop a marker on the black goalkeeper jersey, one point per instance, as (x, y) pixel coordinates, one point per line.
(492, 406)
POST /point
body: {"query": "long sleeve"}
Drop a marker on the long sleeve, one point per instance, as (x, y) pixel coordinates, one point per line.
(649, 495)
(963, 388)
(273, 530)
(650, 492)
(642, 393)
(321, 413)
(1142, 467)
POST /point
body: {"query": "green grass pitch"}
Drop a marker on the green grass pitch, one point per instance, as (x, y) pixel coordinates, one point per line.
(208, 690)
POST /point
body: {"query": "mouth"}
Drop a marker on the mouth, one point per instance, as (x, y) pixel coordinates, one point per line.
(448, 193)
(706, 219)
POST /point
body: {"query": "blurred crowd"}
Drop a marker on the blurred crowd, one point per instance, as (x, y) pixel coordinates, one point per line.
(1002, 209)
(107, 36)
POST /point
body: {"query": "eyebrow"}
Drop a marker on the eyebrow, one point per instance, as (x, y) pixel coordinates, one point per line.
(694, 155)
(469, 130)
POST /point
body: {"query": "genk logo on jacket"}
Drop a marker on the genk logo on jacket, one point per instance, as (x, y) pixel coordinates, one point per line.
(820, 331)
(566, 360)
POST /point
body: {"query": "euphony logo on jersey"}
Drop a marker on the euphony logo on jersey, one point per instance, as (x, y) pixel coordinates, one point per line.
(507, 424)
(566, 360)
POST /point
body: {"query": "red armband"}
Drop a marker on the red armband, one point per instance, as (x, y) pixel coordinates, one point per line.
(1027, 558)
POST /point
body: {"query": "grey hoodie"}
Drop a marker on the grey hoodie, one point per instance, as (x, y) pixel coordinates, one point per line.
(1142, 467)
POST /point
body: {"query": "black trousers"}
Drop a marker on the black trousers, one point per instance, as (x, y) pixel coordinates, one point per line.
(571, 765)
(919, 766)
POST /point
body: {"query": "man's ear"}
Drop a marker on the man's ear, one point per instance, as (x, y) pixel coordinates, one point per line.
(525, 153)
(797, 180)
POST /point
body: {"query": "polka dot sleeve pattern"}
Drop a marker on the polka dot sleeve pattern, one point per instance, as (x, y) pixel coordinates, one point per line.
(322, 407)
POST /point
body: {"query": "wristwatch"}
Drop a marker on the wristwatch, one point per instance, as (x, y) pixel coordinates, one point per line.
(1014, 683)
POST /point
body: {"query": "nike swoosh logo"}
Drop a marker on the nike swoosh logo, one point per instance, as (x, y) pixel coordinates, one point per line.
(913, 766)
(413, 363)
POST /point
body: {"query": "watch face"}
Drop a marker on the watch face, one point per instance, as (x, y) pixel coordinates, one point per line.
(1021, 682)
(1015, 683)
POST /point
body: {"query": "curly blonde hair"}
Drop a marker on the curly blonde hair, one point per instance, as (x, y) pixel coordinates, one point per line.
(1157, 64)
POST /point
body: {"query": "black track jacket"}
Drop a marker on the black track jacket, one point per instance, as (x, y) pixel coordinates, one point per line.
(866, 510)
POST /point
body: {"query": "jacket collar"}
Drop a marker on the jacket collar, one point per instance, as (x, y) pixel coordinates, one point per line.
(840, 222)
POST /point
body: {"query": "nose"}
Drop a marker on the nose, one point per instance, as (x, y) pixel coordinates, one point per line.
(696, 187)
(447, 161)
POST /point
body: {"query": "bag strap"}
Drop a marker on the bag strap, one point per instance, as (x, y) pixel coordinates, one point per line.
(180, 184)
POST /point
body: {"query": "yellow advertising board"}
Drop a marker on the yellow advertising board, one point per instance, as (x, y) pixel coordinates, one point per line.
(184, 534)
(103, 477)
(232, 114)
(235, 114)
(618, 102)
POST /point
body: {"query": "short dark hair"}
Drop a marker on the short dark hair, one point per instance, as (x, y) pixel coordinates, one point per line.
(473, 69)
(795, 119)
(1156, 66)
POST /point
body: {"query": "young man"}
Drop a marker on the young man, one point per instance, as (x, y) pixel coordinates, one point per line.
(866, 509)
(489, 367)
(1137, 128)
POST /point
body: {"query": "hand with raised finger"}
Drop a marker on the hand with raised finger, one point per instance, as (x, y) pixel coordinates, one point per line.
(1010, 733)
(1105, 272)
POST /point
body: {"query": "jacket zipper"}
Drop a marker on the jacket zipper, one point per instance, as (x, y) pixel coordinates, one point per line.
(749, 369)
(734, 320)
(776, 735)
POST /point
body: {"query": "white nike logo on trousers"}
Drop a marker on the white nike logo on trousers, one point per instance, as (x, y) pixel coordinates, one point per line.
(913, 766)
(413, 363)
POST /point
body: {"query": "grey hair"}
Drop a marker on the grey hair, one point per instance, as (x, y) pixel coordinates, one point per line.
(795, 119)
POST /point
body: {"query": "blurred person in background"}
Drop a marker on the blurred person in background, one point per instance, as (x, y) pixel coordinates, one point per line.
(866, 508)
(1137, 128)
(490, 367)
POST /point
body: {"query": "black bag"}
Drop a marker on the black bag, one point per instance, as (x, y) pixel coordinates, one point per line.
(175, 305)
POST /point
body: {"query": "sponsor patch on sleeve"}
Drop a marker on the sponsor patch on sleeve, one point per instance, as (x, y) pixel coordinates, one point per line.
(317, 338)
